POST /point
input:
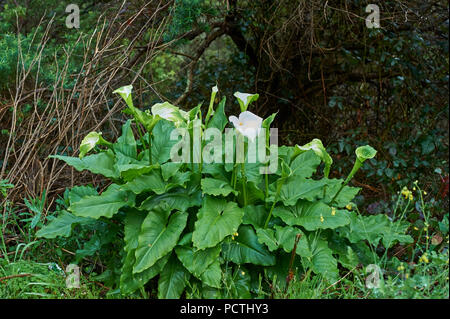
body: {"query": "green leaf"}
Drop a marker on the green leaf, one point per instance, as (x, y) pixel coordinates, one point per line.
(312, 216)
(305, 164)
(130, 171)
(149, 182)
(161, 144)
(295, 188)
(126, 144)
(219, 119)
(317, 147)
(130, 282)
(373, 229)
(170, 169)
(172, 280)
(216, 187)
(159, 234)
(317, 255)
(216, 219)
(107, 204)
(279, 237)
(62, 225)
(345, 196)
(212, 276)
(245, 248)
(132, 228)
(101, 163)
(76, 193)
(255, 215)
(197, 261)
(180, 199)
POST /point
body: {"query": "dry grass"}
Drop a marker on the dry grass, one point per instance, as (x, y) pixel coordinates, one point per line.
(109, 61)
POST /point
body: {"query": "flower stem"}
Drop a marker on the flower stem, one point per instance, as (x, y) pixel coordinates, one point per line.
(244, 183)
(274, 201)
(355, 168)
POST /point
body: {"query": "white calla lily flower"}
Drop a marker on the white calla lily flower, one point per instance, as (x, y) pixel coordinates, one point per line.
(248, 124)
(245, 99)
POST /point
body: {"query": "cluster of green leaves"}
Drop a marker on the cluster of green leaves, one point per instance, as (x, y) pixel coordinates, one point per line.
(212, 228)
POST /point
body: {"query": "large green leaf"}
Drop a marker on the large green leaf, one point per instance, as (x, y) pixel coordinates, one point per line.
(179, 199)
(255, 215)
(212, 276)
(131, 171)
(161, 144)
(216, 187)
(169, 169)
(305, 164)
(279, 237)
(216, 219)
(78, 192)
(297, 187)
(159, 234)
(126, 144)
(62, 225)
(154, 182)
(219, 119)
(197, 261)
(373, 229)
(132, 228)
(129, 281)
(107, 204)
(312, 216)
(318, 256)
(345, 196)
(101, 163)
(172, 280)
(245, 248)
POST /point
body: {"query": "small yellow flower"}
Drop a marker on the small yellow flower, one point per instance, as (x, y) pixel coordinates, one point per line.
(236, 234)
(425, 229)
(414, 188)
(424, 258)
(349, 206)
(407, 276)
(242, 273)
(411, 197)
(424, 192)
(401, 268)
(415, 228)
(321, 218)
(333, 211)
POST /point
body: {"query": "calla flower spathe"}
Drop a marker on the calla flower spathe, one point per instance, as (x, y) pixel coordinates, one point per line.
(169, 112)
(125, 93)
(90, 141)
(245, 99)
(248, 124)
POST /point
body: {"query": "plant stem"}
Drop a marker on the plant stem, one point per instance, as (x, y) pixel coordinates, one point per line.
(355, 168)
(150, 147)
(244, 183)
(274, 201)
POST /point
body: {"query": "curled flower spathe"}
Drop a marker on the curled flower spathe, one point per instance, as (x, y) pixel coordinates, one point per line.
(245, 99)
